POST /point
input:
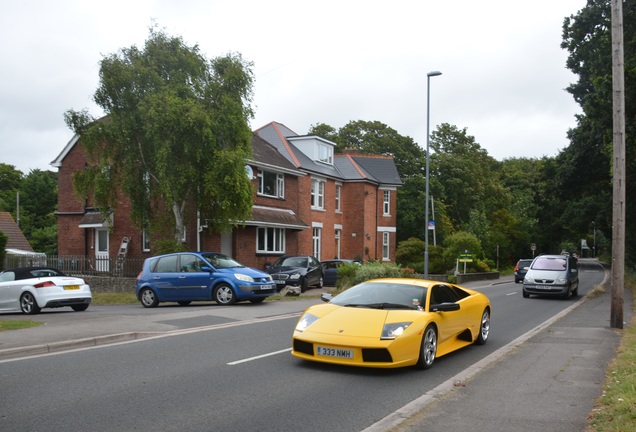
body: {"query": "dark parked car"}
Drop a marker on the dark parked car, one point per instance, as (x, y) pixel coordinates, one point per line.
(330, 267)
(521, 268)
(190, 276)
(297, 270)
(554, 275)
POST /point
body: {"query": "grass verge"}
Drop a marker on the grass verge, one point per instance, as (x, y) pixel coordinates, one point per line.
(17, 324)
(615, 410)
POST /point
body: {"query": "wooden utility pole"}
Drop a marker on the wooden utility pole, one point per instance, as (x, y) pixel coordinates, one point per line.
(618, 209)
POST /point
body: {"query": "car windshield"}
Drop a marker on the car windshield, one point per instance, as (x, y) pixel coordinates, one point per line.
(292, 262)
(556, 264)
(221, 261)
(382, 295)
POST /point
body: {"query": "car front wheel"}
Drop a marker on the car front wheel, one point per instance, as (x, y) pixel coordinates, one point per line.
(304, 284)
(28, 304)
(148, 298)
(484, 328)
(428, 350)
(224, 295)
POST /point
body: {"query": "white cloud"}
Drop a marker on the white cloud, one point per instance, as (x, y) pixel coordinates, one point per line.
(330, 62)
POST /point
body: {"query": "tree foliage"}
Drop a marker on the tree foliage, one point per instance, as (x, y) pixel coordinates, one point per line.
(175, 136)
(584, 177)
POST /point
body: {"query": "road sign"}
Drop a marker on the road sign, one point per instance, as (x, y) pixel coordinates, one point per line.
(466, 257)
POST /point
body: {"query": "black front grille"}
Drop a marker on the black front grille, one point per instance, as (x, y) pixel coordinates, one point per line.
(378, 355)
(262, 291)
(303, 347)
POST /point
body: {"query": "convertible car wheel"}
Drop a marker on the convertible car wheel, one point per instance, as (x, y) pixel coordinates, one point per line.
(484, 330)
(429, 348)
(148, 298)
(224, 295)
(28, 304)
(80, 307)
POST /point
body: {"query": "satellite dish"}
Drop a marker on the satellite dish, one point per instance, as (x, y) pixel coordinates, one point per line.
(249, 171)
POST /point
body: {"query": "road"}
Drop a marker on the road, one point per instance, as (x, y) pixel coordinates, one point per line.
(237, 375)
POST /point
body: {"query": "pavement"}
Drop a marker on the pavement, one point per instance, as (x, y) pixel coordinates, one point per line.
(546, 380)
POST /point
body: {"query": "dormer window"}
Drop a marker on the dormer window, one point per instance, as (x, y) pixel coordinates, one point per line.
(325, 153)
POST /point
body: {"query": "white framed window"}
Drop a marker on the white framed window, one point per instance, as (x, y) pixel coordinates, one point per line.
(386, 205)
(338, 192)
(386, 256)
(145, 241)
(271, 184)
(270, 239)
(317, 194)
(317, 234)
(325, 153)
(337, 236)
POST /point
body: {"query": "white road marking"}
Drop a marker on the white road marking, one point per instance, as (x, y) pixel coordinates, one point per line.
(258, 357)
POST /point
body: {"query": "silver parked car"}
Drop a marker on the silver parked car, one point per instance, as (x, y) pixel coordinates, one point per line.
(552, 275)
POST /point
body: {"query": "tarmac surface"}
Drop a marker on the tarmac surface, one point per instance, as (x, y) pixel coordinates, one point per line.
(546, 380)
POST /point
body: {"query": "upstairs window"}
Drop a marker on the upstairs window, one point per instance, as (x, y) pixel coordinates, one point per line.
(386, 207)
(318, 194)
(325, 153)
(338, 192)
(271, 184)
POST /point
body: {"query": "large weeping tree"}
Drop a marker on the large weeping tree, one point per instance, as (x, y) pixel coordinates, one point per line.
(174, 138)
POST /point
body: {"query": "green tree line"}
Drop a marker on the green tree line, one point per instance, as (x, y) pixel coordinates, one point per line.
(495, 209)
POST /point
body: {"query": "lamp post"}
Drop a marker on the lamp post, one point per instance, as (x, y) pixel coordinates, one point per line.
(428, 138)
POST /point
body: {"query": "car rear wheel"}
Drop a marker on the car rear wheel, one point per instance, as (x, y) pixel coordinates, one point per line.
(484, 328)
(428, 350)
(148, 298)
(224, 295)
(79, 307)
(28, 304)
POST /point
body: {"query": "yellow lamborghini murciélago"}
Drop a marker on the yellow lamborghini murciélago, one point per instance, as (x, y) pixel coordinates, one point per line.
(389, 323)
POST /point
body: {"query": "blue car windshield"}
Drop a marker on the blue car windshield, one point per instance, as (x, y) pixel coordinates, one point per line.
(220, 261)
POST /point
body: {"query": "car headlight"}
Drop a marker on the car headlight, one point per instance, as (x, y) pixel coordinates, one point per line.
(243, 277)
(393, 330)
(561, 281)
(295, 276)
(528, 280)
(305, 321)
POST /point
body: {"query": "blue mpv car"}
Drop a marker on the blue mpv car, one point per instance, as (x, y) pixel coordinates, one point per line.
(185, 277)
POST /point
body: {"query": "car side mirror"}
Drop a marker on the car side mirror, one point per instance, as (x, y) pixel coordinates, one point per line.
(326, 297)
(445, 307)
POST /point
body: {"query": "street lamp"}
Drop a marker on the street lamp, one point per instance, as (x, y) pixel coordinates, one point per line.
(428, 137)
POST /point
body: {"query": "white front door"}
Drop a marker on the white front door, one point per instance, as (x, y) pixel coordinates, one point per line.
(101, 250)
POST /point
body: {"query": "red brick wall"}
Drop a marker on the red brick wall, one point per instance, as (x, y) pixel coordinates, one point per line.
(361, 205)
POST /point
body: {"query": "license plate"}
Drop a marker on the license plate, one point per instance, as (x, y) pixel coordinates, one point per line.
(71, 287)
(334, 352)
(280, 282)
(268, 286)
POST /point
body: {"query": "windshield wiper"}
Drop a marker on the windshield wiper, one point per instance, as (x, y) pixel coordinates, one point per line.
(382, 305)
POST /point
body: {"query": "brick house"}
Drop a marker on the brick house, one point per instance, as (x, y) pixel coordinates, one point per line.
(307, 200)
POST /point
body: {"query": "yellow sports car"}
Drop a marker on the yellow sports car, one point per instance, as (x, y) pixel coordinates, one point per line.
(389, 323)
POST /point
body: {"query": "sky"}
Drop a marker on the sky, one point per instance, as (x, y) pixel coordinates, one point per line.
(503, 71)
